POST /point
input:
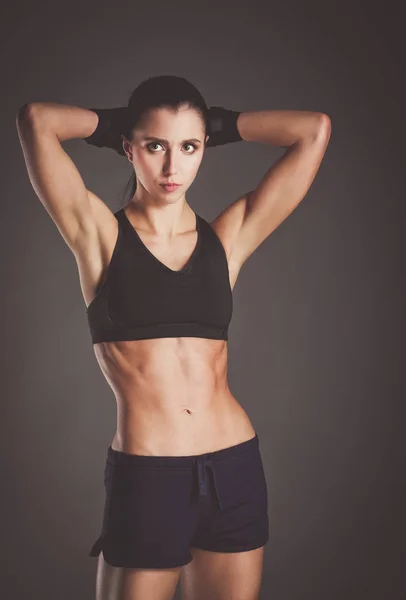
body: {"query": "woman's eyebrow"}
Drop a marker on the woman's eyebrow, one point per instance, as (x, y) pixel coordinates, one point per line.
(149, 138)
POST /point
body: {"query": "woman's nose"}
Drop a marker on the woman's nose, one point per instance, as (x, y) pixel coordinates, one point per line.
(170, 164)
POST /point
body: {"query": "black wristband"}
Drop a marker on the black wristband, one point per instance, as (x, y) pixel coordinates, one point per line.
(222, 126)
(112, 123)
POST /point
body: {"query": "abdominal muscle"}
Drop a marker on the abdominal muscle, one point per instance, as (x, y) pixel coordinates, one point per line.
(172, 396)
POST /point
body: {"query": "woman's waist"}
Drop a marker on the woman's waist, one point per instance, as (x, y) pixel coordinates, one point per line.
(157, 388)
(175, 426)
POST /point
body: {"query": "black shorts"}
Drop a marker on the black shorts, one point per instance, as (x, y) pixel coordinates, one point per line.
(158, 507)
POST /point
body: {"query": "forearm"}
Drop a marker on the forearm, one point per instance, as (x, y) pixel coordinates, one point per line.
(280, 127)
(67, 122)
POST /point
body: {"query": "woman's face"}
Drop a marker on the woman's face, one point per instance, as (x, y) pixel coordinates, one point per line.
(167, 147)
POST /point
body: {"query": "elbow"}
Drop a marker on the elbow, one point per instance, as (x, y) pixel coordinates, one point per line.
(322, 128)
(27, 119)
(319, 128)
(324, 123)
(26, 112)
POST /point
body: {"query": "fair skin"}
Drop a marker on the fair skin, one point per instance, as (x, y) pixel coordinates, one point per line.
(163, 219)
(177, 160)
(170, 392)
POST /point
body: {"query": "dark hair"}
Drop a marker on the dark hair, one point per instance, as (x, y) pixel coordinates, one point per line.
(162, 91)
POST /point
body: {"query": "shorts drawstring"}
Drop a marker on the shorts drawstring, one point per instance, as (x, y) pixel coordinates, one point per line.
(203, 462)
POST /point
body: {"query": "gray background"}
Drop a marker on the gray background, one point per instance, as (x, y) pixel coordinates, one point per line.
(316, 349)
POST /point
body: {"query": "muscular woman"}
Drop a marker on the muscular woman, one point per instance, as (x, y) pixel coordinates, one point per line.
(186, 495)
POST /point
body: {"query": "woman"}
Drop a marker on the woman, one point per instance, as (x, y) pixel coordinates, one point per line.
(186, 494)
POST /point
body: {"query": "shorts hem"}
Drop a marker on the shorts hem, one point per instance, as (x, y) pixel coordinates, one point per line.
(140, 564)
(147, 565)
(245, 548)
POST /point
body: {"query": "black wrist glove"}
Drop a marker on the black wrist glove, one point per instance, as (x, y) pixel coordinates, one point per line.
(222, 126)
(112, 123)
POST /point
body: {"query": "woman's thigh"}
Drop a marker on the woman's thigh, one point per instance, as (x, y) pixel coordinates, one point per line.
(121, 583)
(222, 575)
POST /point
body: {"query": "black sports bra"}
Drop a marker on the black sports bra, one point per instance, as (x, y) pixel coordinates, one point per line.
(141, 298)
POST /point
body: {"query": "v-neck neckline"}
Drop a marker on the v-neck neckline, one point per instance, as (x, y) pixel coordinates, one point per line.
(186, 268)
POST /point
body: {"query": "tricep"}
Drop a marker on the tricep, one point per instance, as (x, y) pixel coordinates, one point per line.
(55, 178)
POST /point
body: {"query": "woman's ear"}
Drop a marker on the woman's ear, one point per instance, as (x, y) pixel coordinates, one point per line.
(127, 147)
(207, 137)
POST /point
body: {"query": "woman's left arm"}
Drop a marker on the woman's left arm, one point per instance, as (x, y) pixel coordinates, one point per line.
(247, 222)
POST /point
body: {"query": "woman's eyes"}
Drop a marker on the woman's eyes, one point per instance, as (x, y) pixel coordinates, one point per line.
(158, 144)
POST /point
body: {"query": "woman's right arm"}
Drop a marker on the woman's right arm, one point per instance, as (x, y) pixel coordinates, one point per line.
(78, 213)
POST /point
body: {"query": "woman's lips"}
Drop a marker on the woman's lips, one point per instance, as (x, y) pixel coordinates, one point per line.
(170, 187)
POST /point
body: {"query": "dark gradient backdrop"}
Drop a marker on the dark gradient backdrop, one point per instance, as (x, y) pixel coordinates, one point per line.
(317, 338)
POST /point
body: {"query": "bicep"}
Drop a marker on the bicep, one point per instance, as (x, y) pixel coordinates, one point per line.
(247, 222)
(55, 179)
